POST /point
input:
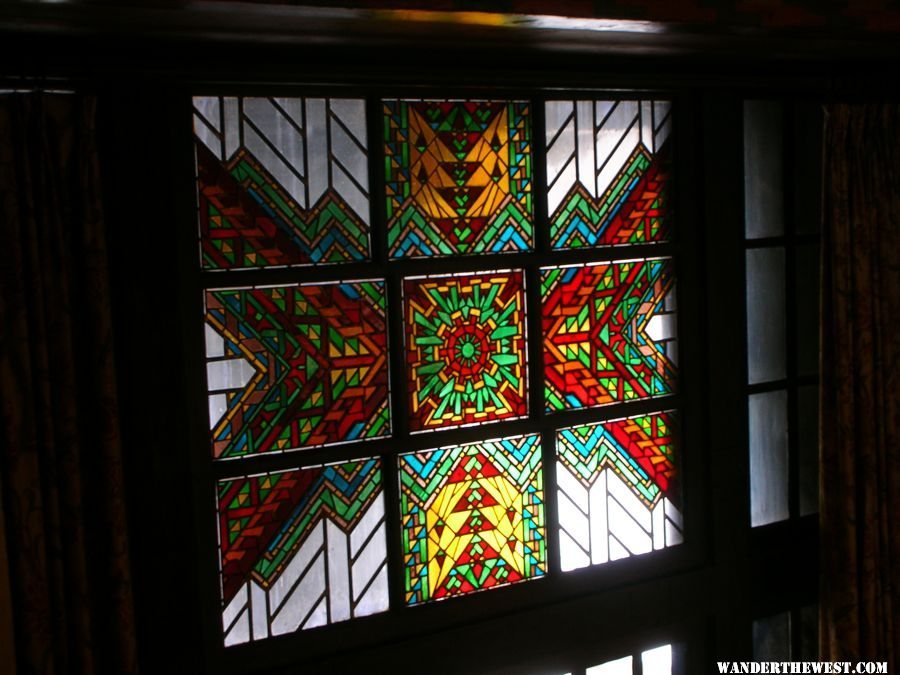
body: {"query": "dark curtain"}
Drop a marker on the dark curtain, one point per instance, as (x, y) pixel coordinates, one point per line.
(860, 478)
(60, 454)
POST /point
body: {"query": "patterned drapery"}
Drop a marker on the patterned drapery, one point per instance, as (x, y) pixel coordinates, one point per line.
(860, 428)
(60, 452)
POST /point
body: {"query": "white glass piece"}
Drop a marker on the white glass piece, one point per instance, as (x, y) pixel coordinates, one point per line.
(584, 145)
(768, 457)
(662, 119)
(661, 327)
(228, 374)
(235, 606)
(376, 597)
(240, 631)
(647, 125)
(599, 530)
(659, 525)
(317, 133)
(368, 522)
(319, 616)
(763, 169)
(283, 586)
(673, 534)
(369, 562)
(232, 126)
(765, 315)
(556, 114)
(633, 506)
(571, 554)
(338, 572)
(259, 614)
(616, 140)
(616, 550)
(564, 182)
(215, 343)
(285, 172)
(309, 593)
(218, 404)
(349, 190)
(657, 661)
(618, 667)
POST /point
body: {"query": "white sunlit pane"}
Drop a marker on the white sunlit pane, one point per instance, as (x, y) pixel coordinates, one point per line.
(618, 667)
(765, 315)
(657, 661)
(768, 457)
(763, 168)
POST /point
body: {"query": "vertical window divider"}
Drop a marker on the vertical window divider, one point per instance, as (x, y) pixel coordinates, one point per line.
(541, 229)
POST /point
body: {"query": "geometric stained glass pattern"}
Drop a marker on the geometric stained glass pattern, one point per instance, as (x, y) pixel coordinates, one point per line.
(472, 517)
(301, 548)
(609, 332)
(617, 491)
(281, 181)
(607, 172)
(458, 177)
(296, 366)
(465, 348)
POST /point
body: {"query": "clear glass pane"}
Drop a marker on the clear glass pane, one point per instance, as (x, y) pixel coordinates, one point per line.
(807, 317)
(768, 457)
(618, 667)
(772, 638)
(765, 315)
(657, 661)
(808, 448)
(763, 169)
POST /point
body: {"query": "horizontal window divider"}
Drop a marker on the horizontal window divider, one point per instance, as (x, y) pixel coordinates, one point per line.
(612, 411)
(438, 438)
(783, 383)
(292, 459)
(292, 275)
(789, 239)
(332, 272)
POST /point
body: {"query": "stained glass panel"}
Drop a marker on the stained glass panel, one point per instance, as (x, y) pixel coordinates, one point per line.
(607, 172)
(281, 181)
(458, 177)
(617, 491)
(301, 548)
(609, 332)
(472, 517)
(296, 366)
(465, 348)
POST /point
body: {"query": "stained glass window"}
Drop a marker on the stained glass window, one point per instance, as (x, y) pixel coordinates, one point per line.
(472, 516)
(617, 489)
(297, 360)
(301, 548)
(607, 172)
(281, 181)
(458, 177)
(609, 332)
(296, 366)
(465, 343)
